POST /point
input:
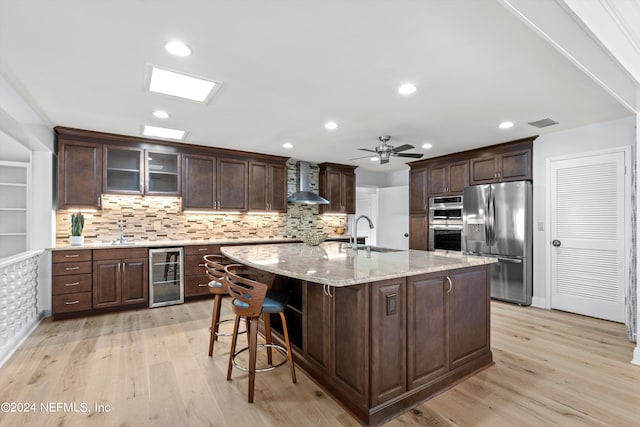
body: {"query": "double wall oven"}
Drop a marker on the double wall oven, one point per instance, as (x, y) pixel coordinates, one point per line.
(445, 223)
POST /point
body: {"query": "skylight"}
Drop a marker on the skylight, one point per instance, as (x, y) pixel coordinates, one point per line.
(181, 85)
(163, 132)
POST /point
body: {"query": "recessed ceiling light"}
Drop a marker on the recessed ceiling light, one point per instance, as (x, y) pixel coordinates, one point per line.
(407, 89)
(160, 114)
(505, 125)
(163, 132)
(177, 48)
(181, 85)
(287, 145)
(426, 146)
(331, 125)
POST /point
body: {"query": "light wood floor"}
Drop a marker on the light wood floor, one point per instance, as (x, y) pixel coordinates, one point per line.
(151, 367)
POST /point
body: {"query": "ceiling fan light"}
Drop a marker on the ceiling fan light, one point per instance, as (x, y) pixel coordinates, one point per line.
(407, 89)
(374, 159)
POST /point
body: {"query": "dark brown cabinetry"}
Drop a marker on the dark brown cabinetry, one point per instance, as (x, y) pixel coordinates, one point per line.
(136, 171)
(418, 231)
(513, 164)
(448, 179)
(120, 277)
(418, 190)
(195, 278)
(79, 174)
(267, 187)
(338, 185)
(71, 281)
(212, 183)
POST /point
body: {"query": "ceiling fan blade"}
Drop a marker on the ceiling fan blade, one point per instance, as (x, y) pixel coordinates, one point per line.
(383, 161)
(366, 149)
(412, 155)
(363, 157)
(404, 147)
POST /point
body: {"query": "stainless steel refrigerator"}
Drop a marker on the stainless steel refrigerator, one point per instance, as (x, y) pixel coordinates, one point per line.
(497, 223)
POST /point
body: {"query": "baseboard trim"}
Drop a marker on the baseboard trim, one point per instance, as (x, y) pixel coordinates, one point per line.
(636, 355)
(539, 302)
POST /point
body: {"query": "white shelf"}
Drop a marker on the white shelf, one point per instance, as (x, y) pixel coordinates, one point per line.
(14, 209)
(12, 184)
(13, 234)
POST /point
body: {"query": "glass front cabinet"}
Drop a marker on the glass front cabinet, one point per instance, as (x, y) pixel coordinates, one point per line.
(166, 277)
(137, 171)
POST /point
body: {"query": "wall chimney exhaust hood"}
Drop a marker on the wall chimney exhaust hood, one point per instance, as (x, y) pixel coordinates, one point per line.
(304, 196)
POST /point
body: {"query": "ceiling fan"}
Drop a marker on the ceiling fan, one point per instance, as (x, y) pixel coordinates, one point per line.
(385, 151)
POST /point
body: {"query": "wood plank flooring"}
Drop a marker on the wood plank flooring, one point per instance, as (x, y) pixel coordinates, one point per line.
(150, 367)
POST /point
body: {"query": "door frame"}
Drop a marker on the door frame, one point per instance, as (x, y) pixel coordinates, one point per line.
(626, 149)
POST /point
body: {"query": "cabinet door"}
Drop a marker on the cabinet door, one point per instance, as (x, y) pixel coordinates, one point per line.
(484, 170)
(333, 191)
(458, 177)
(317, 326)
(349, 193)
(79, 175)
(123, 172)
(418, 190)
(258, 186)
(350, 337)
(162, 173)
(427, 329)
(388, 340)
(438, 180)
(278, 188)
(135, 283)
(418, 231)
(107, 291)
(198, 182)
(469, 301)
(515, 166)
(232, 185)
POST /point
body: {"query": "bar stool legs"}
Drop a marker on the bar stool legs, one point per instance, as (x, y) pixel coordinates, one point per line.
(215, 322)
(285, 331)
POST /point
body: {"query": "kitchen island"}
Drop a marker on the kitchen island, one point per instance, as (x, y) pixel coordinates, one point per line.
(381, 331)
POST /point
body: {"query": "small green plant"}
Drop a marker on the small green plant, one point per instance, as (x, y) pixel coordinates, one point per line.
(77, 224)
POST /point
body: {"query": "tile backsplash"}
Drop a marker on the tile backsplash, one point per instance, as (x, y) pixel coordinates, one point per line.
(161, 218)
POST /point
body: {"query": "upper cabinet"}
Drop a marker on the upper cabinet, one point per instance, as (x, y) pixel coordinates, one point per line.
(338, 186)
(509, 164)
(267, 186)
(418, 190)
(79, 174)
(448, 178)
(137, 171)
(213, 183)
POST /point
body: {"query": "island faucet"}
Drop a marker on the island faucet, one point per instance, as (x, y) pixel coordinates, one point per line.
(354, 236)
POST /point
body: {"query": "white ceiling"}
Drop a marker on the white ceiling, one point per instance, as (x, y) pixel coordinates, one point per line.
(290, 66)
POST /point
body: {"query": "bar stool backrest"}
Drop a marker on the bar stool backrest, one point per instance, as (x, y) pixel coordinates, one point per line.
(214, 267)
(248, 295)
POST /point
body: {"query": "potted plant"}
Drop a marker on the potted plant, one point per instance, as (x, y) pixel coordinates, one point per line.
(77, 224)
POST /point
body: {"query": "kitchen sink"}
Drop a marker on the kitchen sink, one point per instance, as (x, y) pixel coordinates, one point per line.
(125, 243)
(377, 249)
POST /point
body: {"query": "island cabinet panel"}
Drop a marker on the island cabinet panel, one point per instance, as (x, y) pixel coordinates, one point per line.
(317, 327)
(427, 329)
(469, 322)
(79, 174)
(388, 340)
(350, 340)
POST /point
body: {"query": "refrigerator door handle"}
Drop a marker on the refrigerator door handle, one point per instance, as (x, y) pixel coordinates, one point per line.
(510, 260)
(491, 218)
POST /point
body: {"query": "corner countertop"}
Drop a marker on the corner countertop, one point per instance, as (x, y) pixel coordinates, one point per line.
(328, 264)
(171, 243)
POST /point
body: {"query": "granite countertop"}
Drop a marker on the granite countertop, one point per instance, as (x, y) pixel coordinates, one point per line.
(170, 243)
(327, 264)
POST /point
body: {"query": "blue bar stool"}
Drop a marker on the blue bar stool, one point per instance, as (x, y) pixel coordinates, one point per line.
(252, 298)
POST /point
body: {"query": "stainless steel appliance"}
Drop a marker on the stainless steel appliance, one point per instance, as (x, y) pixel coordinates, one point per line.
(497, 222)
(166, 278)
(445, 223)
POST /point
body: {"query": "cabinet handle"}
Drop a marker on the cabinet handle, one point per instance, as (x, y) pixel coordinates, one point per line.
(99, 201)
(450, 284)
(202, 285)
(72, 302)
(200, 265)
(72, 268)
(72, 284)
(203, 249)
(326, 290)
(124, 268)
(72, 256)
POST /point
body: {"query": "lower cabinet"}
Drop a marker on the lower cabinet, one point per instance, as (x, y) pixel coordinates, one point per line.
(120, 277)
(195, 279)
(71, 281)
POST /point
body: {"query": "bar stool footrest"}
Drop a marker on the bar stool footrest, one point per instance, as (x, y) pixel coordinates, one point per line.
(281, 349)
(230, 334)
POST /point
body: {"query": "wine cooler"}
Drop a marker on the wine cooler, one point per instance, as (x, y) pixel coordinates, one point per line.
(166, 277)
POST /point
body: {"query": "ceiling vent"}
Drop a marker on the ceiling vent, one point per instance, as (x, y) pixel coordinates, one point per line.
(543, 123)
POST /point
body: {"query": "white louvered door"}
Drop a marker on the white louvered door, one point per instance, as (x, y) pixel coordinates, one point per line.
(588, 235)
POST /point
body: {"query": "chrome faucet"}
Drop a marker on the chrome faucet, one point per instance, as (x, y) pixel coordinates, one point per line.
(121, 227)
(354, 236)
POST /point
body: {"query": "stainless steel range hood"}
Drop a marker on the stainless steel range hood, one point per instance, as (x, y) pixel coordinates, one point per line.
(304, 196)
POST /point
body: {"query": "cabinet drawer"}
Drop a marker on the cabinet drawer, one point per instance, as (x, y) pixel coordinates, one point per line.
(66, 303)
(120, 253)
(194, 265)
(72, 283)
(66, 268)
(196, 285)
(71, 256)
(202, 250)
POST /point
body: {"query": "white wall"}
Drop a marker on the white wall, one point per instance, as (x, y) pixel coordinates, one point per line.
(382, 179)
(600, 136)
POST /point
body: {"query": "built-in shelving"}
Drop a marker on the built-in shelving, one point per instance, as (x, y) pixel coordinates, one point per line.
(14, 207)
